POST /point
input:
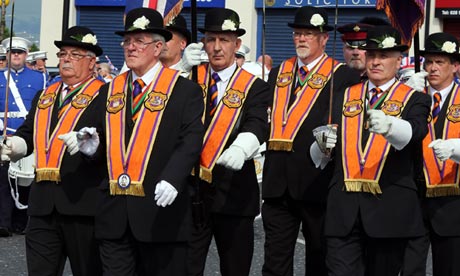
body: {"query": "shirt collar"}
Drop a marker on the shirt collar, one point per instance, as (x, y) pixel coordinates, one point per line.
(147, 78)
(311, 64)
(444, 92)
(384, 87)
(227, 73)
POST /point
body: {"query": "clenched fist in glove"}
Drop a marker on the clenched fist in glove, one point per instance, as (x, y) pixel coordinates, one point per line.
(243, 148)
(378, 121)
(165, 193)
(445, 149)
(70, 140)
(326, 137)
(88, 140)
(191, 56)
(417, 81)
(13, 149)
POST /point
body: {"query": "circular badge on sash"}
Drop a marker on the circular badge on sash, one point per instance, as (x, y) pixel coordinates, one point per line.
(124, 181)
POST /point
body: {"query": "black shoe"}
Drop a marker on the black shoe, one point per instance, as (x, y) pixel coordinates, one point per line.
(4, 232)
(19, 231)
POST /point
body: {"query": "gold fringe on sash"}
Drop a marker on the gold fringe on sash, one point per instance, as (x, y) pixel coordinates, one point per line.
(363, 186)
(135, 189)
(48, 174)
(280, 145)
(443, 191)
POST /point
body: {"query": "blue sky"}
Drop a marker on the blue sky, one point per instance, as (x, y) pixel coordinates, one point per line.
(26, 18)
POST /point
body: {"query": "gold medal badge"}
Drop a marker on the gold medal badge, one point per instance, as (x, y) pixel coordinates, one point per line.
(392, 107)
(156, 101)
(353, 108)
(284, 79)
(115, 103)
(46, 101)
(81, 101)
(233, 98)
(317, 81)
(453, 114)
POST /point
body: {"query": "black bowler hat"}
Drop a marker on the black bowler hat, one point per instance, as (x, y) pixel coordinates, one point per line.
(222, 20)
(178, 24)
(441, 43)
(354, 34)
(383, 38)
(144, 20)
(81, 37)
(309, 17)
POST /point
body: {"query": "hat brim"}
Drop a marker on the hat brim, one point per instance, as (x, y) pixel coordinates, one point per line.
(218, 29)
(400, 48)
(454, 55)
(309, 26)
(186, 33)
(163, 32)
(93, 48)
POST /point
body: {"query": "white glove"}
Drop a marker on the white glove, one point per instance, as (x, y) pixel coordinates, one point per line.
(326, 137)
(444, 149)
(191, 56)
(13, 149)
(379, 122)
(1, 125)
(88, 140)
(232, 158)
(417, 81)
(70, 140)
(165, 193)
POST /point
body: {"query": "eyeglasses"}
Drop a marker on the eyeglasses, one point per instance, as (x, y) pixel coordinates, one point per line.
(355, 43)
(138, 43)
(72, 55)
(17, 51)
(307, 35)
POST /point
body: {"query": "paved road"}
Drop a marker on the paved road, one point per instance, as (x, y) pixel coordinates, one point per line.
(12, 257)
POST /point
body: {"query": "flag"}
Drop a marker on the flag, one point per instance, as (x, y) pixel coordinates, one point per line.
(169, 9)
(405, 15)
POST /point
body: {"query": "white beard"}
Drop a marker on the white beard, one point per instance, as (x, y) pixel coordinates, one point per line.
(302, 52)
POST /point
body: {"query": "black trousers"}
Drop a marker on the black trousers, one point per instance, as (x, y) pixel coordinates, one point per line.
(128, 257)
(6, 201)
(415, 256)
(358, 254)
(446, 255)
(51, 239)
(282, 219)
(234, 237)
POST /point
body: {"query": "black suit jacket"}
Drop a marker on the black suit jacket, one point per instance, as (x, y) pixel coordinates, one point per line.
(295, 171)
(176, 149)
(396, 212)
(237, 192)
(77, 193)
(443, 212)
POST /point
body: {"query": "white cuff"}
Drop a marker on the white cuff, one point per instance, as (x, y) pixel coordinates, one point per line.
(456, 154)
(399, 134)
(319, 158)
(248, 142)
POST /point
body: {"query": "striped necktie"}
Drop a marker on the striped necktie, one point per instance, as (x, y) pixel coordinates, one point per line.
(436, 105)
(66, 99)
(302, 74)
(213, 93)
(138, 85)
(376, 92)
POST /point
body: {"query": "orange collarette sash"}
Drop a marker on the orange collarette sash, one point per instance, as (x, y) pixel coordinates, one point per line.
(49, 150)
(362, 170)
(442, 178)
(285, 123)
(127, 165)
(225, 118)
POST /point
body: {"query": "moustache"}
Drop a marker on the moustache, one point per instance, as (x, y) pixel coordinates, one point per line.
(67, 65)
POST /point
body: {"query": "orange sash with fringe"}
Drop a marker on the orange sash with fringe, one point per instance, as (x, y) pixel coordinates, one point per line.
(286, 121)
(362, 169)
(442, 178)
(225, 118)
(49, 150)
(127, 165)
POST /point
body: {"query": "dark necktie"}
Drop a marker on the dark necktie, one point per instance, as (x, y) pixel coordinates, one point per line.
(213, 93)
(375, 96)
(302, 74)
(137, 97)
(66, 100)
(436, 105)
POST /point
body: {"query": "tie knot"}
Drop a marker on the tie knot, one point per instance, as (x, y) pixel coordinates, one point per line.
(303, 71)
(139, 82)
(437, 97)
(215, 77)
(376, 91)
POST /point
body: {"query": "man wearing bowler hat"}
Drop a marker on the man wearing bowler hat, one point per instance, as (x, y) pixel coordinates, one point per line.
(236, 120)
(441, 154)
(63, 199)
(150, 136)
(294, 190)
(372, 207)
(171, 56)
